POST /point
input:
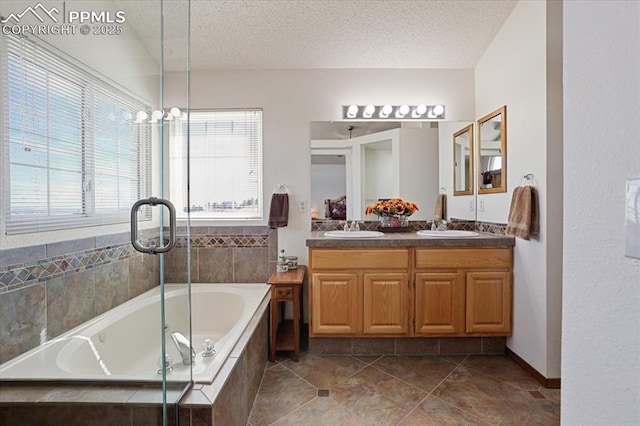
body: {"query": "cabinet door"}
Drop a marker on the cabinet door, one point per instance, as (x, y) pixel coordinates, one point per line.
(488, 302)
(386, 303)
(439, 303)
(336, 306)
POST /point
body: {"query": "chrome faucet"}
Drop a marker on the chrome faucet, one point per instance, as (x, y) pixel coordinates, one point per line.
(187, 353)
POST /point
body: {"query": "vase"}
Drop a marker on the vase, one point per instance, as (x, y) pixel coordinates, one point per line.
(394, 221)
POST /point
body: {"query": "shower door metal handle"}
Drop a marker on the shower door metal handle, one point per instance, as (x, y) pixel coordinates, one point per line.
(153, 201)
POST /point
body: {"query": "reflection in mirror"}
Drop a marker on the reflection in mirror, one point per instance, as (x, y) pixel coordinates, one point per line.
(463, 161)
(328, 184)
(336, 186)
(492, 152)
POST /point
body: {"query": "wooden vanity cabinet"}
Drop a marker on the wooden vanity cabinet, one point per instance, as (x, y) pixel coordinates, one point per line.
(336, 307)
(423, 291)
(463, 291)
(439, 303)
(359, 292)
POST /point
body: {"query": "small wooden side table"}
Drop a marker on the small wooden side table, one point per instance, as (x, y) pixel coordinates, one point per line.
(286, 287)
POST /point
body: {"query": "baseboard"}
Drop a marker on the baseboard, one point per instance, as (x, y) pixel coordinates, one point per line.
(552, 383)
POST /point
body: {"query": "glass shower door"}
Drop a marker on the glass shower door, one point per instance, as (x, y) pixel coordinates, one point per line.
(169, 239)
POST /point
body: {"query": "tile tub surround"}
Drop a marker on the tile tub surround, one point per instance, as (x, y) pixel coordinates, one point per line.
(226, 401)
(402, 390)
(40, 298)
(48, 289)
(224, 255)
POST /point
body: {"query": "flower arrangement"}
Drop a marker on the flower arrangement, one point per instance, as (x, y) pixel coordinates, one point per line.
(392, 207)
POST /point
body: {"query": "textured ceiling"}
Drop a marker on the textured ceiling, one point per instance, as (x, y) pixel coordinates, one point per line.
(292, 34)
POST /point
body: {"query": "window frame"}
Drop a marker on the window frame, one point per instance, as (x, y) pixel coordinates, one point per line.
(134, 144)
(179, 168)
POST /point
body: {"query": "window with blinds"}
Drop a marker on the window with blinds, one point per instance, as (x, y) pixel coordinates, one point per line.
(73, 154)
(225, 163)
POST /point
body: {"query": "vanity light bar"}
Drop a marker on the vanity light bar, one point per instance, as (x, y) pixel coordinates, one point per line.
(393, 112)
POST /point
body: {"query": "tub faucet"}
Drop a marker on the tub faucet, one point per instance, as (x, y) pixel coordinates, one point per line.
(186, 351)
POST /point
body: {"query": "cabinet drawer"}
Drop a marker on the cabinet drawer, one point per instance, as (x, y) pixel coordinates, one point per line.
(360, 259)
(284, 293)
(464, 258)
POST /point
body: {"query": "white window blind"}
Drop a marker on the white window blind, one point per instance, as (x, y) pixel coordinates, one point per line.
(73, 154)
(225, 162)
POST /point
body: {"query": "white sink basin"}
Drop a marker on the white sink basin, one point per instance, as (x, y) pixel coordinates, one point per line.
(353, 234)
(447, 234)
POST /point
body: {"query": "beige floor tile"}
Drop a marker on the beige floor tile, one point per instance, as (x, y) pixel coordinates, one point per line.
(392, 390)
(435, 412)
(494, 401)
(324, 371)
(424, 372)
(376, 397)
(502, 368)
(280, 393)
(367, 359)
(551, 394)
(320, 412)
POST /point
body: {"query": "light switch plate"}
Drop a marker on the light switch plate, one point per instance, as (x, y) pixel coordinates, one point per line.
(632, 218)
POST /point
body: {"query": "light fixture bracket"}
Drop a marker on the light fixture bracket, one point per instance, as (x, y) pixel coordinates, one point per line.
(393, 112)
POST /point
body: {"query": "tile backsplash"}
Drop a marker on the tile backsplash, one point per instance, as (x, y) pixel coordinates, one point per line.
(416, 225)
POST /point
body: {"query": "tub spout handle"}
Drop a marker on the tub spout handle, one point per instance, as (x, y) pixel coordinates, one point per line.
(187, 353)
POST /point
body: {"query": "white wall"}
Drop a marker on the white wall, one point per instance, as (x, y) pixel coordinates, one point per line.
(513, 72)
(378, 175)
(291, 99)
(601, 290)
(419, 169)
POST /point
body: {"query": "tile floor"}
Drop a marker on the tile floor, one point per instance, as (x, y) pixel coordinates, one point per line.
(334, 390)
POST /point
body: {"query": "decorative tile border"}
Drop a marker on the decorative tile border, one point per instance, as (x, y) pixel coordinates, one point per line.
(492, 228)
(32, 272)
(23, 275)
(224, 241)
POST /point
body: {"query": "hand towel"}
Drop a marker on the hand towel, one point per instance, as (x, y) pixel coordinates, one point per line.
(524, 214)
(279, 210)
(441, 207)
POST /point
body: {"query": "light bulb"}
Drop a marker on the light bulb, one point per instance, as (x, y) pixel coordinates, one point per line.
(419, 111)
(368, 111)
(402, 111)
(438, 110)
(385, 111)
(175, 111)
(141, 116)
(352, 111)
(156, 115)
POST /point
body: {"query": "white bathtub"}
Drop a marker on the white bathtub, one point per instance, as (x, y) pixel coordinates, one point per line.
(124, 343)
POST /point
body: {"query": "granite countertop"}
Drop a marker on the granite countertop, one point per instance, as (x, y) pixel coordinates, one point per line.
(409, 239)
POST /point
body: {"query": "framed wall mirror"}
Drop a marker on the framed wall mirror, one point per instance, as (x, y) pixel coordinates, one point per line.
(463, 161)
(492, 152)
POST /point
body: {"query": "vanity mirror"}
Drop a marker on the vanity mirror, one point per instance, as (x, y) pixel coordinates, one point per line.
(492, 152)
(367, 161)
(463, 161)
